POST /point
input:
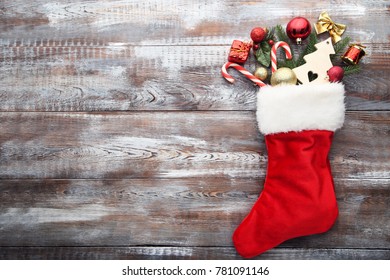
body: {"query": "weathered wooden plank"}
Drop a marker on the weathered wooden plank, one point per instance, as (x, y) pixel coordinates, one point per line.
(182, 21)
(82, 75)
(107, 63)
(165, 212)
(170, 145)
(183, 253)
(128, 145)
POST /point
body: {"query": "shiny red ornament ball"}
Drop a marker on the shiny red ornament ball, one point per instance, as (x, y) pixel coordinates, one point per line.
(335, 74)
(255, 47)
(298, 29)
(258, 34)
(271, 42)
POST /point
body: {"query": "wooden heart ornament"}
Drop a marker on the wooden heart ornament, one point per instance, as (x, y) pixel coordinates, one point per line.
(317, 64)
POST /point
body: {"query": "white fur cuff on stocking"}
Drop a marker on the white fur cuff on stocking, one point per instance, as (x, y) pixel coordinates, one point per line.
(296, 108)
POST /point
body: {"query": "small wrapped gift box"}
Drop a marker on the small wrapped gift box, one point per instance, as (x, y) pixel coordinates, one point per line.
(239, 52)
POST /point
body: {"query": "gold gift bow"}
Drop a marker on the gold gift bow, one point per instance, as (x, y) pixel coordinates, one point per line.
(325, 23)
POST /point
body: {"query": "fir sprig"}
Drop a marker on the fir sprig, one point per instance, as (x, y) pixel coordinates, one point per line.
(351, 69)
(339, 48)
(270, 34)
(281, 34)
(289, 63)
(341, 45)
(310, 47)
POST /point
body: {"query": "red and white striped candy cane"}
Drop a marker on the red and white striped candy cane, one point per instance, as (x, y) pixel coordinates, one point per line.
(275, 47)
(242, 70)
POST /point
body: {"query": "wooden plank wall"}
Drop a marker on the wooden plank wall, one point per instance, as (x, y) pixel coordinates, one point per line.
(120, 140)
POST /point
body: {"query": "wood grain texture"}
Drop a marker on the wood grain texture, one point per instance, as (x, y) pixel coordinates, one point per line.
(108, 64)
(119, 139)
(74, 75)
(183, 253)
(163, 212)
(170, 145)
(182, 21)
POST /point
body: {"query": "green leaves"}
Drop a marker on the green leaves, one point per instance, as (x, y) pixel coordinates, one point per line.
(263, 54)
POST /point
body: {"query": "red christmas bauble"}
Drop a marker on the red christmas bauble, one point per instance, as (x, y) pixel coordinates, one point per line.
(258, 34)
(298, 29)
(335, 74)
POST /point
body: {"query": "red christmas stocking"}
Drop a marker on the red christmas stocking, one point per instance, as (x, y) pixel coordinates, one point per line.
(298, 197)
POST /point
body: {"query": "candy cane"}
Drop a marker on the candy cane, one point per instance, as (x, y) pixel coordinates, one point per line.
(242, 70)
(275, 47)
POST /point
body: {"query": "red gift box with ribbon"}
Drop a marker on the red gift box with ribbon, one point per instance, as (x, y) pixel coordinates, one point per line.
(239, 51)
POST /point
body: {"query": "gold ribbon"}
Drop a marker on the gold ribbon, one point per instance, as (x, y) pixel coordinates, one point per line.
(325, 23)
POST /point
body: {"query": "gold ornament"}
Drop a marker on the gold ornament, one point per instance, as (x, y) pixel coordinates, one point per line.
(325, 23)
(283, 76)
(261, 73)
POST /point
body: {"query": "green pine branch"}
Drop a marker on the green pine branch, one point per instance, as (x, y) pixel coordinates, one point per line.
(339, 49)
(289, 63)
(281, 34)
(310, 47)
(270, 34)
(351, 69)
(341, 45)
